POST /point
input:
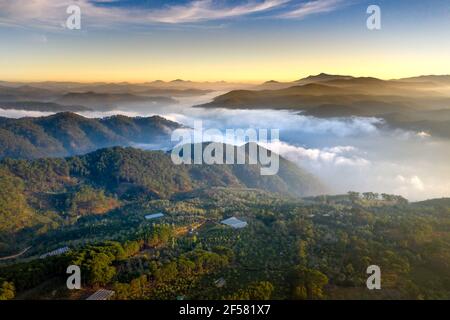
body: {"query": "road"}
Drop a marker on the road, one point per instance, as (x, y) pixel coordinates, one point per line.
(16, 255)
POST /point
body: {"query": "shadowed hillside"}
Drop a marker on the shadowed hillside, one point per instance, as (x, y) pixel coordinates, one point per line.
(66, 134)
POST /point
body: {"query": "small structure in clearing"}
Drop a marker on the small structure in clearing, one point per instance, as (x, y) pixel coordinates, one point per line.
(55, 252)
(154, 216)
(101, 294)
(234, 223)
(219, 283)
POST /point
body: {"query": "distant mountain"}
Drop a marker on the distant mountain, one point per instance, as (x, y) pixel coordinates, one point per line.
(436, 79)
(41, 106)
(417, 104)
(322, 77)
(295, 97)
(101, 96)
(26, 93)
(66, 134)
(108, 101)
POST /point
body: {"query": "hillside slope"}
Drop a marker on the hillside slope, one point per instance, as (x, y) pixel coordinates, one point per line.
(34, 193)
(65, 134)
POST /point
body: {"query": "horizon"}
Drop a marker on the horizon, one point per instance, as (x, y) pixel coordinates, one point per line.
(237, 81)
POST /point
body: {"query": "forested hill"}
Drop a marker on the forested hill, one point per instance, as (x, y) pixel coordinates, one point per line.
(66, 134)
(48, 191)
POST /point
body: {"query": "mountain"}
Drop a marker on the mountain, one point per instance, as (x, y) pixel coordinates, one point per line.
(100, 96)
(436, 79)
(41, 106)
(66, 134)
(47, 192)
(108, 101)
(322, 77)
(418, 104)
(26, 93)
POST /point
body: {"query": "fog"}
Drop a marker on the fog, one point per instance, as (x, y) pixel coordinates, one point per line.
(358, 154)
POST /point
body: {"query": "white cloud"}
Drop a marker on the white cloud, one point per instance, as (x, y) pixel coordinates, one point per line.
(423, 134)
(50, 14)
(314, 7)
(314, 157)
(203, 10)
(413, 181)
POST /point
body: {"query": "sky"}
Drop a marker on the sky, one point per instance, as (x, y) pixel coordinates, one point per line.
(213, 40)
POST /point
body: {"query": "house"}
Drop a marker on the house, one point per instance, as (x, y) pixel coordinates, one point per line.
(234, 223)
(101, 294)
(56, 252)
(219, 283)
(154, 216)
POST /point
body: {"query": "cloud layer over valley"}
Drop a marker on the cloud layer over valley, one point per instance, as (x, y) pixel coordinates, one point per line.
(353, 153)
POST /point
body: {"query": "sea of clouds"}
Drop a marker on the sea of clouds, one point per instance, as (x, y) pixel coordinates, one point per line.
(355, 153)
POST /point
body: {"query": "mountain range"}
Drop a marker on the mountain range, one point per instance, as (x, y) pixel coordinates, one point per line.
(66, 134)
(420, 104)
(38, 195)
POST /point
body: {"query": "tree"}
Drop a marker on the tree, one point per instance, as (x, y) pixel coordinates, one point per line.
(7, 290)
(354, 196)
(100, 272)
(256, 291)
(308, 283)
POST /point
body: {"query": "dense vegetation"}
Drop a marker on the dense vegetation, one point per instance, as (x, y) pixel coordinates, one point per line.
(41, 195)
(292, 248)
(317, 248)
(66, 134)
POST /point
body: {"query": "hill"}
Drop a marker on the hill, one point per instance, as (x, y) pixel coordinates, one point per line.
(109, 101)
(66, 134)
(40, 195)
(411, 103)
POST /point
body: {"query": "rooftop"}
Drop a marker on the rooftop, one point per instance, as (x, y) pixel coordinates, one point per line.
(101, 294)
(154, 216)
(235, 223)
(55, 252)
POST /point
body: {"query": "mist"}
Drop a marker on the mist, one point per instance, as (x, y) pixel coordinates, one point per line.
(347, 154)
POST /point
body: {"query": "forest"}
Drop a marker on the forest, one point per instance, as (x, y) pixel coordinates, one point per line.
(313, 248)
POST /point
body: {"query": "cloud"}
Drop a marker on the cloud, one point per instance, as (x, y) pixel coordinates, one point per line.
(314, 7)
(314, 158)
(50, 14)
(203, 10)
(413, 181)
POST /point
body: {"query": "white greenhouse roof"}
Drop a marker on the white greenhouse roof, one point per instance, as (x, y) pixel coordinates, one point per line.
(101, 294)
(235, 223)
(154, 216)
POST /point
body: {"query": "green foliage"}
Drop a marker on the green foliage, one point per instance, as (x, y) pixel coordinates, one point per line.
(66, 134)
(159, 234)
(308, 284)
(15, 213)
(7, 290)
(255, 291)
(312, 248)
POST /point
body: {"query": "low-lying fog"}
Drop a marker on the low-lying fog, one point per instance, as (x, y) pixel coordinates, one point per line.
(359, 154)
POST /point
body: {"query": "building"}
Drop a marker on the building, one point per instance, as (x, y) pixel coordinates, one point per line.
(56, 252)
(220, 283)
(154, 216)
(234, 223)
(101, 294)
